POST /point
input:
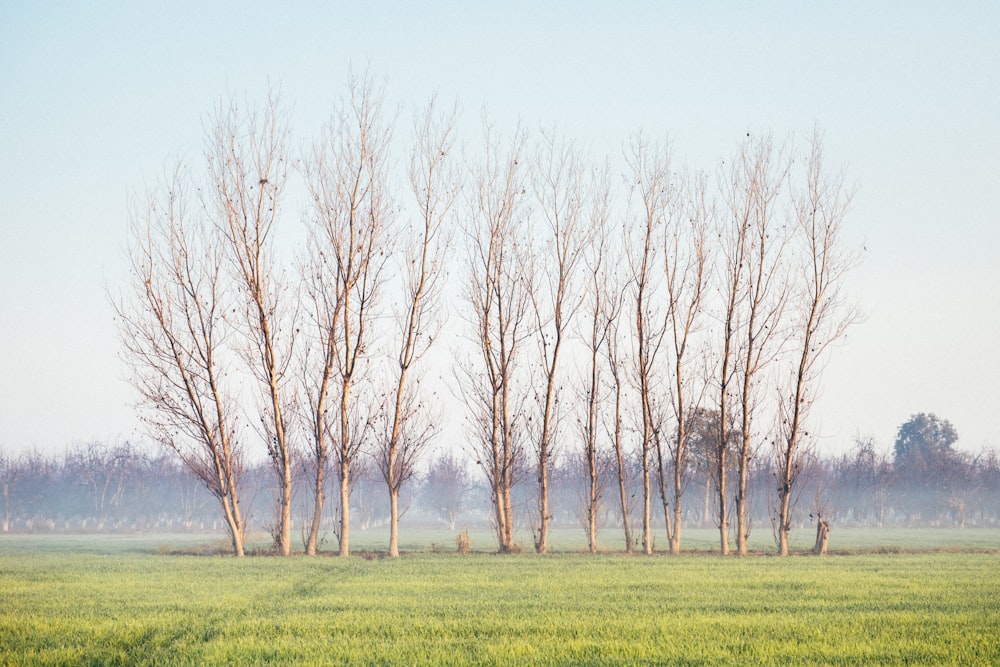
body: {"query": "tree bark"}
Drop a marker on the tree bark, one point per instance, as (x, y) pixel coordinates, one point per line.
(345, 508)
(822, 536)
(393, 523)
(319, 500)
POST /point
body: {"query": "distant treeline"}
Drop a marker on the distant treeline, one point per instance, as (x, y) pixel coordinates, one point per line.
(100, 487)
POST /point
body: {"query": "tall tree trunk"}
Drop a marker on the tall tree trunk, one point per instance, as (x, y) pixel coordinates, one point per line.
(393, 522)
(742, 526)
(234, 524)
(647, 532)
(647, 436)
(723, 517)
(318, 408)
(345, 507)
(319, 497)
(501, 517)
(590, 443)
(784, 522)
(496, 479)
(675, 537)
(286, 507)
(661, 482)
(722, 445)
(393, 483)
(592, 518)
(542, 545)
(346, 452)
(590, 434)
(620, 460)
(791, 442)
(508, 517)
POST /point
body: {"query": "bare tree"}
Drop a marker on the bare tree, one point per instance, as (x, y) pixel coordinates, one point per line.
(650, 174)
(248, 163)
(610, 318)
(868, 474)
(822, 315)
(499, 295)
(733, 236)
(560, 188)
(348, 181)
(597, 264)
(756, 290)
(821, 474)
(686, 269)
(102, 470)
(172, 332)
(702, 434)
(322, 291)
(446, 487)
(434, 185)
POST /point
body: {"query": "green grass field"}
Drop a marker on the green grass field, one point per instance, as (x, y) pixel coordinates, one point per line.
(120, 600)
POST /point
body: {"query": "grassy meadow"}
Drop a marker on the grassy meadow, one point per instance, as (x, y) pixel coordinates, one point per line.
(89, 600)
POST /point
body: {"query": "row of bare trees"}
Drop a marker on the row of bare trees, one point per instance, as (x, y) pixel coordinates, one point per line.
(695, 292)
(217, 326)
(631, 307)
(98, 487)
(125, 487)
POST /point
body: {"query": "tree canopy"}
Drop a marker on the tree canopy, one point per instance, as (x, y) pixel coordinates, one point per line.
(924, 444)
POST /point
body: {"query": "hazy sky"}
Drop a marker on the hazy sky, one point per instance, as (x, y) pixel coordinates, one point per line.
(96, 98)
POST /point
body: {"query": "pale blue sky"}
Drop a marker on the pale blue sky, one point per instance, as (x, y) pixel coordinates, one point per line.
(95, 98)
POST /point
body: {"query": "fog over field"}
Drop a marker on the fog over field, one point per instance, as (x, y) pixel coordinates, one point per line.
(872, 502)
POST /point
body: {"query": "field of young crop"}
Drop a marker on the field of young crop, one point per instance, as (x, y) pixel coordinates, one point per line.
(104, 601)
